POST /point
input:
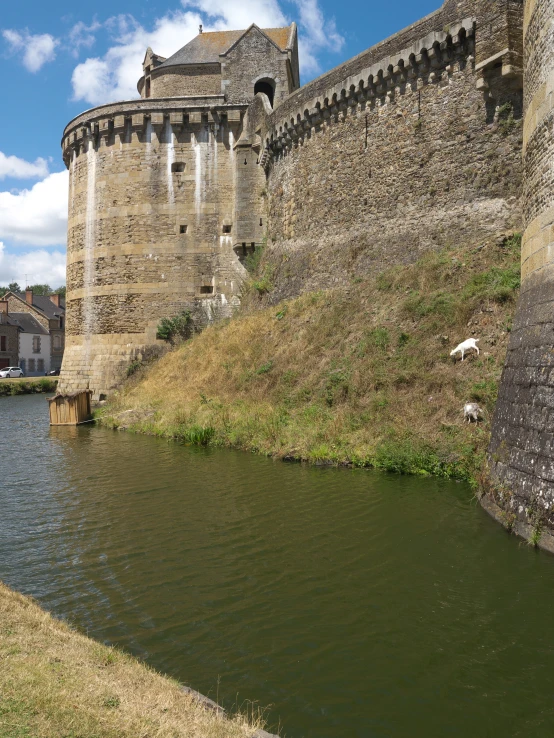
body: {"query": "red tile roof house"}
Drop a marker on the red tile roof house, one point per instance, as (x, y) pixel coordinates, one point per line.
(49, 312)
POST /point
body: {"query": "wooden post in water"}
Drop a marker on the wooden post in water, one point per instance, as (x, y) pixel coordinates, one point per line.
(70, 409)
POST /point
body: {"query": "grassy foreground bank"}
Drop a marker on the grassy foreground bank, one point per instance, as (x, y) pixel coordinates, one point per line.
(57, 683)
(27, 386)
(360, 376)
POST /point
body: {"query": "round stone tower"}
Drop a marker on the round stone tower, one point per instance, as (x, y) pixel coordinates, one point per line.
(161, 203)
(151, 211)
(522, 445)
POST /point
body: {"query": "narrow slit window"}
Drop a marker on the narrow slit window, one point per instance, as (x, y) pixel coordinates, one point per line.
(226, 229)
(178, 166)
(182, 229)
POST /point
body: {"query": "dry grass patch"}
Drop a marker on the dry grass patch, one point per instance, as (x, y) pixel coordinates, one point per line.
(358, 376)
(57, 683)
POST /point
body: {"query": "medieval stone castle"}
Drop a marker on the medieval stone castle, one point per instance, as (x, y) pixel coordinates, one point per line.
(414, 144)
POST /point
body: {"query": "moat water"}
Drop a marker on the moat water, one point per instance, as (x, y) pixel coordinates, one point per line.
(351, 603)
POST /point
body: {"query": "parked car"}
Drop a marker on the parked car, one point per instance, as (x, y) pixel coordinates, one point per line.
(53, 373)
(9, 372)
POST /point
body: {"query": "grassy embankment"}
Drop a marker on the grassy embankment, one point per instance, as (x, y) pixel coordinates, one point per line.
(360, 376)
(27, 386)
(57, 683)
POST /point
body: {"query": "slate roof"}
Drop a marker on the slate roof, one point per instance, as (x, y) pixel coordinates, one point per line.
(27, 323)
(7, 320)
(206, 47)
(45, 305)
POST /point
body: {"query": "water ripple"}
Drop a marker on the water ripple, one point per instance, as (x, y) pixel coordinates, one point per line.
(356, 604)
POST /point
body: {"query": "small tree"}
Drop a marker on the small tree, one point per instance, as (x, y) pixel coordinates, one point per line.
(173, 329)
(41, 289)
(14, 287)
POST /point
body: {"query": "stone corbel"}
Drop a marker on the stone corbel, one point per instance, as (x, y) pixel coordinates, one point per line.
(176, 122)
(511, 66)
(482, 85)
(157, 122)
(91, 133)
(435, 58)
(422, 62)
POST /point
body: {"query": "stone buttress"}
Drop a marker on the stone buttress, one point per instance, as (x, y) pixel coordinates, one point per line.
(522, 445)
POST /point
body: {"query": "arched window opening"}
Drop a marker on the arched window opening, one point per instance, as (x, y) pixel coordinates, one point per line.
(147, 91)
(267, 86)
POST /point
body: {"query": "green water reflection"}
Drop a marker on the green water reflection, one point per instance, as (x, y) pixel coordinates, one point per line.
(354, 603)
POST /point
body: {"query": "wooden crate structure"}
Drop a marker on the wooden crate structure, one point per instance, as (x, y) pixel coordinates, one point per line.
(70, 409)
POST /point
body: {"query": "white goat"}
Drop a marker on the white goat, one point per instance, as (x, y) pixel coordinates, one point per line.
(470, 343)
(472, 411)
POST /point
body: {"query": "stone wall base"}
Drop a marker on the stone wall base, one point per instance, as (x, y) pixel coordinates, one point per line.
(100, 362)
(521, 451)
(519, 527)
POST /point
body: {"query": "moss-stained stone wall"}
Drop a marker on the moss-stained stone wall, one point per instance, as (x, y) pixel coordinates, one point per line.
(522, 446)
(414, 150)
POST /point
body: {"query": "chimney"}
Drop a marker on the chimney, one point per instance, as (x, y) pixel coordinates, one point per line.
(56, 300)
(29, 296)
(200, 28)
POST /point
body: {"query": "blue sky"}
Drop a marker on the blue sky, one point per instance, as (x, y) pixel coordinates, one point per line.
(60, 58)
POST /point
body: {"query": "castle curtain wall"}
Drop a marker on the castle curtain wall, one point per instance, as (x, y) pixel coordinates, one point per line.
(418, 150)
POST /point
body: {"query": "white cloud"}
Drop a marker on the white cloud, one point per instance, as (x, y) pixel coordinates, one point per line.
(83, 36)
(226, 15)
(37, 49)
(114, 76)
(317, 34)
(36, 217)
(13, 166)
(35, 267)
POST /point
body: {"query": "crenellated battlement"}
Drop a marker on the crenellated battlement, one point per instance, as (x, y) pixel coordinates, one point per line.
(425, 62)
(108, 125)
